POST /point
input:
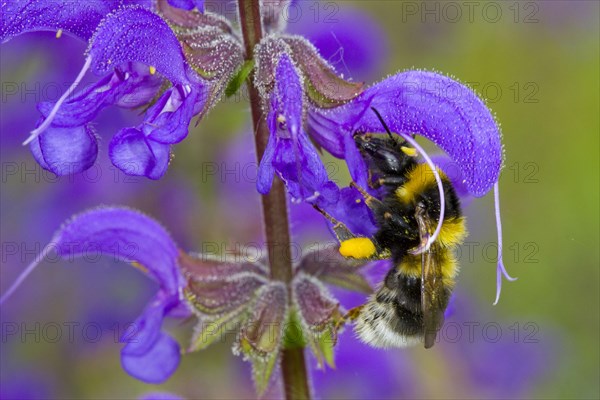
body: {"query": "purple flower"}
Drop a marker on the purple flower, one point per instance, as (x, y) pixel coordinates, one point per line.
(442, 110)
(226, 294)
(150, 354)
(188, 4)
(432, 105)
(289, 151)
(173, 62)
(160, 396)
(79, 19)
(143, 63)
(437, 107)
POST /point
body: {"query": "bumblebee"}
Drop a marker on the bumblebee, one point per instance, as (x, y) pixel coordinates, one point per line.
(408, 307)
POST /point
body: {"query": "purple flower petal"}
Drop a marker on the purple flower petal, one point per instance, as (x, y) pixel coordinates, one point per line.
(125, 234)
(160, 396)
(437, 107)
(289, 152)
(147, 326)
(352, 210)
(355, 161)
(136, 34)
(168, 119)
(79, 18)
(135, 154)
(453, 172)
(149, 355)
(127, 87)
(67, 150)
(284, 119)
(289, 98)
(302, 170)
(318, 128)
(157, 365)
(36, 150)
(142, 86)
(264, 179)
(188, 4)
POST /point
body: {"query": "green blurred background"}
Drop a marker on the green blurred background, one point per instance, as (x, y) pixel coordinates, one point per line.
(537, 63)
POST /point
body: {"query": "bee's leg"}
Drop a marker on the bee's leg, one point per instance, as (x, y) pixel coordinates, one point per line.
(388, 181)
(370, 201)
(373, 183)
(424, 229)
(351, 315)
(352, 246)
(341, 231)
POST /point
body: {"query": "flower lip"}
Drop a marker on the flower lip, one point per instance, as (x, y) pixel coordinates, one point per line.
(66, 150)
(79, 18)
(137, 34)
(136, 154)
(461, 125)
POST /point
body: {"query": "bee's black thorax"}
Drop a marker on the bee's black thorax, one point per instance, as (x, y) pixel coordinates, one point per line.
(392, 171)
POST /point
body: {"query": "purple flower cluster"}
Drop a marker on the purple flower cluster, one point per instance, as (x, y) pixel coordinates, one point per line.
(141, 64)
(174, 62)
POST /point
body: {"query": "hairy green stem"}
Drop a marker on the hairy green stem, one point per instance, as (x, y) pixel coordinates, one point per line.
(274, 207)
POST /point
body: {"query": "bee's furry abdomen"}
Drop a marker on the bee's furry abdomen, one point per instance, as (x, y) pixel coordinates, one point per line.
(392, 317)
(385, 323)
(407, 290)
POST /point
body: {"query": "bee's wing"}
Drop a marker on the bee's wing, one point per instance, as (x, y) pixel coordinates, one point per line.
(432, 294)
(432, 288)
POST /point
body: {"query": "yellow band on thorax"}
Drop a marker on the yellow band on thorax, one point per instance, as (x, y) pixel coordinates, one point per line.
(418, 180)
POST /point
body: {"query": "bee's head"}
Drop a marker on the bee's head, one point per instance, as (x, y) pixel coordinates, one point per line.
(385, 153)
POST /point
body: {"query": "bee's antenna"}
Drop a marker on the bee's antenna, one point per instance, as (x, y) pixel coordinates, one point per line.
(387, 129)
